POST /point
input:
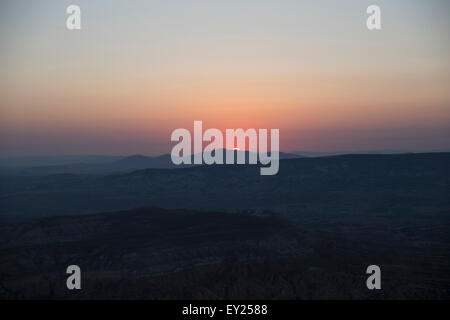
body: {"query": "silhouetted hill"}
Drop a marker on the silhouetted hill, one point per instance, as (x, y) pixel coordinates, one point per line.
(121, 165)
(142, 162)
(134, 160)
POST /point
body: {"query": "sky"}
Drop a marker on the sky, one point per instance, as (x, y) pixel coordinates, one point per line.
(137, 70)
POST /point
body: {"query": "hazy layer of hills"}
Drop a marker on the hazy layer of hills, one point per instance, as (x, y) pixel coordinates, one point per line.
(313, 186)
(307, 233)
(41, 166)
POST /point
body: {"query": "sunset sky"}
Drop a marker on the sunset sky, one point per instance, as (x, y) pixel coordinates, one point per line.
(137, 70)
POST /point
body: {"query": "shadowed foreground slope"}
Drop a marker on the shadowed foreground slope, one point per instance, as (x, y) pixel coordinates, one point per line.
(160, 254)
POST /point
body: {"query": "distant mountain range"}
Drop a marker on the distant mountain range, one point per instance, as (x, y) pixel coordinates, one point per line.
(113, 164)
(164, 161)
(350, 183)
(342, 152)
(39, 161)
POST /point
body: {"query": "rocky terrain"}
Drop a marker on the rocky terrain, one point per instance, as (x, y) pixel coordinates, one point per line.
(226, 232)
(152, 253)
